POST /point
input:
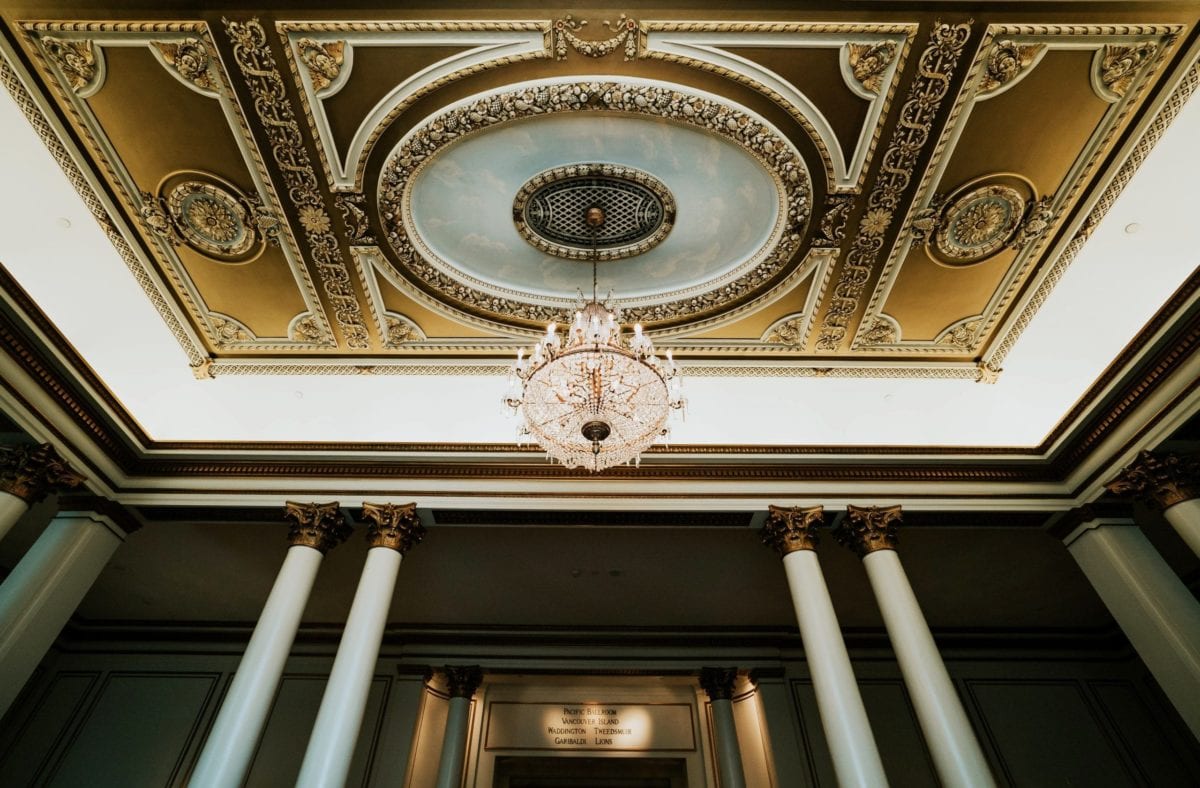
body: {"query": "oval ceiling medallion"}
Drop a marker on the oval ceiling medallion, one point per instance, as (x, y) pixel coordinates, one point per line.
(979, 223)
(683, 243)
(550, 210)
(210, 218)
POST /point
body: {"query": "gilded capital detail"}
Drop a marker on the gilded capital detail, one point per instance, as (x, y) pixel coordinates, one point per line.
(31, 472)
(1161, 480)
(394, 526)
(869, 528)
(718, 682)
(462, 680)
(321, 526)
(791, 529)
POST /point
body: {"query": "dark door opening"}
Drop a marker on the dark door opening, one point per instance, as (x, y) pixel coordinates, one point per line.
(513, 772)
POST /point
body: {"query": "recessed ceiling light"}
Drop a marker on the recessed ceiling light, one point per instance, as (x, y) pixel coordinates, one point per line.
(63, 222)
(1132, 228)
(299, 395)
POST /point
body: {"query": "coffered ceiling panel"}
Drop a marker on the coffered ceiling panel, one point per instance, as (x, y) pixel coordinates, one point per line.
(874, 191)
(885, 199)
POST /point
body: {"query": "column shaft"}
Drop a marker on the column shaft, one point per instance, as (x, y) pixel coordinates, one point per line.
(1153, 607)
(952, 743)
(45, 587)
(843, 716)
(11, 510)
(454, 744)
(1184, 517)
(331, 746)
(231, 744)
(729, 757)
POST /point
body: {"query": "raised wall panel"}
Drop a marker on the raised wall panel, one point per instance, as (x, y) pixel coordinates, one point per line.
(55, 711)
(138, 731)
(1047, 733)
(277, 762)
(1141, 729)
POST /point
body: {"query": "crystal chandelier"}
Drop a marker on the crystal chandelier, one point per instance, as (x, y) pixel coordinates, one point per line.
(595, 397)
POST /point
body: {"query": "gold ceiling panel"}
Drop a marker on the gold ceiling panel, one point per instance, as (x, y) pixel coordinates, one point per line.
(925, 169)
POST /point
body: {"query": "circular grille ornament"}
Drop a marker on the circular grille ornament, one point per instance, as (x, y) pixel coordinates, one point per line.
(549, 211)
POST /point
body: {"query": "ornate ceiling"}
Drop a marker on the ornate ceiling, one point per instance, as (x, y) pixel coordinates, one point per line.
(894, 192)
(316, 240)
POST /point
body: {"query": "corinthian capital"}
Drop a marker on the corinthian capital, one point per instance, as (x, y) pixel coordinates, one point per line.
(869, 528)
(31, 472)
(791, 529)
(390, 525)
(462, 680)
(321, 526)
(718, 682)
(1162, 480)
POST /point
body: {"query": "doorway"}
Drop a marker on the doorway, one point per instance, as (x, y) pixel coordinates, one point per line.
(513, 772)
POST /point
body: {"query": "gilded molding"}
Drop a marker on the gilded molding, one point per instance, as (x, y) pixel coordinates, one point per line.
(788, 330)
(1149, 138)
(868, 62)
(879, 330)
(32, 472)
(400, 330)
(866, 529)
(774, 152)
(79, 60)
(718, 683)
(353, 207)
(393, 526)
(832, 229)
(462, 680)
(925, 95)
(1161, 480)
(1017, 280)
(190, 58)
(1117, 65)
(796, 112)
(323, 60)
(626, 30)
(99, 212)
(1007, 61)
(321, 526)
(358, 167)
(963, 334)
(790, 529)
(257, 64)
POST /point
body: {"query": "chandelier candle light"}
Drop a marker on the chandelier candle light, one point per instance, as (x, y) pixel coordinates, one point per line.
(595, 397)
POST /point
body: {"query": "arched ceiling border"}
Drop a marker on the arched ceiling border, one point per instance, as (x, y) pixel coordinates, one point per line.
(493, 44)
(614, 94)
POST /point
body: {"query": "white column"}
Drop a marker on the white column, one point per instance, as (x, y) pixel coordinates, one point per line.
(229, 750)
(956, 753)
(393, 530)
(1154, 609)
(856, 759)
(461, 683)
(719, 683)
(1184, 517)
(12, 509)
(27, 474)
(45, 587)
